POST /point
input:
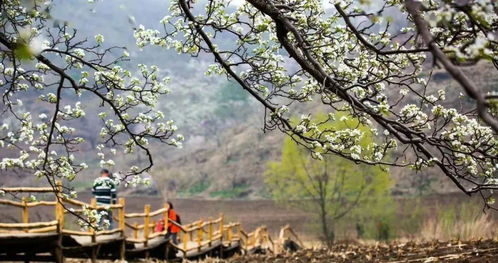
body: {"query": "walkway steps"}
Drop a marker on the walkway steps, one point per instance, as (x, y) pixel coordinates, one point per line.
(104, 248)
(134, 237)
(39, 246)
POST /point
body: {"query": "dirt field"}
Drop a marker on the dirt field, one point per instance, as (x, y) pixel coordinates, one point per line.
(456, 251)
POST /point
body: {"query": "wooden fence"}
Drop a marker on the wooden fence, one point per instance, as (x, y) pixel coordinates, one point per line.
(133, 229)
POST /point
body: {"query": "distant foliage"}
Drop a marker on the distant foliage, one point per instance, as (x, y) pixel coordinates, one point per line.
(333, 188)
(230, 101)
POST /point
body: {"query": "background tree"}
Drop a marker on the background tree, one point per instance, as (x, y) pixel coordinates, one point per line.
(332, 188)
(348, 56)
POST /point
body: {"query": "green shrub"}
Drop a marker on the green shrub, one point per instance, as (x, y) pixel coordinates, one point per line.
(235, 192)
(196, 188)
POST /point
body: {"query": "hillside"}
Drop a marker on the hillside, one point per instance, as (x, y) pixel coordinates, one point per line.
(209, 166)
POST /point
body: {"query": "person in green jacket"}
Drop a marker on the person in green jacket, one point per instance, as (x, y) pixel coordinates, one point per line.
(105, 192)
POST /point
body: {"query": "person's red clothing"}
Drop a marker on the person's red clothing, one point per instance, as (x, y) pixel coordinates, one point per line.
(172, 217)
(159, 226)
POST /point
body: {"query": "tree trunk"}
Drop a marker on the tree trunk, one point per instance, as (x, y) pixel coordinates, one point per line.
(327, 234)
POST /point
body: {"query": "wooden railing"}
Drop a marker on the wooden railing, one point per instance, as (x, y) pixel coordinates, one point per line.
(25, 225)
(200, 233)
(61, 208)
(148, 225)
(136, 228)
(92, 231)
(191, 237)
(258, 238)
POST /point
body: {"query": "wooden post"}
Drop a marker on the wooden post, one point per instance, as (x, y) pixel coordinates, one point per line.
(59, 208)
(93, 206)
(59, 216)
(166, 216)
(221, 225)
(121, 216)
(222, 219)
(185, 241)
(146, 223)
(56, 212)
(199, 235)
(165, 229)
(210, 230)
(135, 230)
(58, 253)
(25, 213)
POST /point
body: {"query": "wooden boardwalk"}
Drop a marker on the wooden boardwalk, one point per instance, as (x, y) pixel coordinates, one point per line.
(133, 236)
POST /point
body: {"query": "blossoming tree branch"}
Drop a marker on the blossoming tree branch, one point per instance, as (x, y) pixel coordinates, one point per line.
(61, 67)
(349, 57)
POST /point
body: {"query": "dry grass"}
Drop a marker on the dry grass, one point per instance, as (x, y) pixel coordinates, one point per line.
(479, 227)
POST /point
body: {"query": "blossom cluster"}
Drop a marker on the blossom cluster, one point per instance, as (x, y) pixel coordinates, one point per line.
(49, 76)
(347, 56)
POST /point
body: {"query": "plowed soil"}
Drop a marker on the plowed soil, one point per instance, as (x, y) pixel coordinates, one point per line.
(454, 251)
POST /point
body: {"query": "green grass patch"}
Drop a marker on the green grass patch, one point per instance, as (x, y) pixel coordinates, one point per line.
(236, 192)
(195, 189)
